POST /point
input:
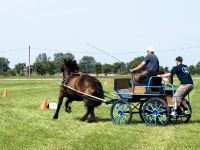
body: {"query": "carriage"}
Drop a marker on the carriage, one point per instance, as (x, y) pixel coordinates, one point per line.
(152, 98)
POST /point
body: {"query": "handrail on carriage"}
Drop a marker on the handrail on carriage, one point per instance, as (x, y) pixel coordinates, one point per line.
(148, 86)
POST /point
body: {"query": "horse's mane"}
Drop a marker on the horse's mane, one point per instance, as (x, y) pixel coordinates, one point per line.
(71, 65)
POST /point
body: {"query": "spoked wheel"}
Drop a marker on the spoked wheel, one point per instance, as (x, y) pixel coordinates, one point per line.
(121, 112)
(156, 112)
(181, 116)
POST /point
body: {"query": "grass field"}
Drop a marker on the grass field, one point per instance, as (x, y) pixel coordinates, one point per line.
(24, 127)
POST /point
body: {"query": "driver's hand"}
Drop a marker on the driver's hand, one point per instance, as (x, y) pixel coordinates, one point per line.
(159, 75)
(131, 70)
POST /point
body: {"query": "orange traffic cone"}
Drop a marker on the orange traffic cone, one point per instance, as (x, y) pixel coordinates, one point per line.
(109, 81)
(5, 93)
(44, 104)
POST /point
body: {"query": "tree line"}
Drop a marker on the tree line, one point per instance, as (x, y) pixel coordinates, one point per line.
(43, 66)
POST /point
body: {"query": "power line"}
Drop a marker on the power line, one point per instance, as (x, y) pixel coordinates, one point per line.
(13, 50)
(131, 52)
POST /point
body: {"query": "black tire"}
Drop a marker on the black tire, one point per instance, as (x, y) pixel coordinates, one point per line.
(141, 110)
(156, 112)
(181, 117)
(121, 112)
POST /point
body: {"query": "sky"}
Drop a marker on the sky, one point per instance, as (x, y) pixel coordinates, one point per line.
(108, 30)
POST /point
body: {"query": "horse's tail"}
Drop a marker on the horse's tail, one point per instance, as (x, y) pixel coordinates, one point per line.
(98, 92)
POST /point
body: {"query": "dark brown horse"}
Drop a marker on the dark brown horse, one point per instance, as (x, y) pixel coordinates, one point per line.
(80, 82)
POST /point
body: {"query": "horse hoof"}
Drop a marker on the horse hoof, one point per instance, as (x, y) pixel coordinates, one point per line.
(91, 121)
(69, 109)
(55, 117)
(82, 119)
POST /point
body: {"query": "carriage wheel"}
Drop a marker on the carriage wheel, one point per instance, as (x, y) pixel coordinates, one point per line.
(121, 112)
(156, 112)
(181, 117)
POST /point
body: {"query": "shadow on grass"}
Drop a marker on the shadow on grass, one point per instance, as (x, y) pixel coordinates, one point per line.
(194, 121)
(98, 120)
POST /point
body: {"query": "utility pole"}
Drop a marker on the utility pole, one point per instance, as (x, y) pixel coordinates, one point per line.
(29, 70)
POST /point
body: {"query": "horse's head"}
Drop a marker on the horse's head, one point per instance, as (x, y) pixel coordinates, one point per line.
(69, 67)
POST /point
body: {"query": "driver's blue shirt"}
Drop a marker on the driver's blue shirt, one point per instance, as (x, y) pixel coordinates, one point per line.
(152, 62)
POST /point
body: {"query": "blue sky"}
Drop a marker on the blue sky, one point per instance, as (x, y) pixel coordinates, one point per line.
(123, 29)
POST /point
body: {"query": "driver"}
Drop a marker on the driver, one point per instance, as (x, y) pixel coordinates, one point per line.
(152, 62)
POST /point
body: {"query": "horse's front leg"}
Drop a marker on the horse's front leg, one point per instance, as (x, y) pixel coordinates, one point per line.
(67, 107)
(58, 106)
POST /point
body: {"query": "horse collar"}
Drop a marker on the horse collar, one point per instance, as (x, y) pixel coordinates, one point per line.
(66, 80)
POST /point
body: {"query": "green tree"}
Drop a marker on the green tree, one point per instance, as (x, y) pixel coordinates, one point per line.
(192, 69)
(31, 69)
(161, 68)
(87, 64)
(50, 67)
(4, 63)
(42, 58)
(107, 68)
(123, 68)
(39, 68)
(166, 69)
(98, 68)
(117, 67)
(59, 59)
(135, 63)
(11, 72)
(19, 68)
(198, 68)
(43, 65)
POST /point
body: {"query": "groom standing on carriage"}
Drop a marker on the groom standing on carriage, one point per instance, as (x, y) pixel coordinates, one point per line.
(186, 83)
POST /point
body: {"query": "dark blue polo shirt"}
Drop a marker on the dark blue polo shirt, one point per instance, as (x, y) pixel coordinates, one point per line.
(152, 62)
(182, 73)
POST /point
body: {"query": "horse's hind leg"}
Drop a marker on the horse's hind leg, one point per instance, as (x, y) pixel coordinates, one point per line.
(67, 107)
(86, 115)
(92, 116)
(90, 110)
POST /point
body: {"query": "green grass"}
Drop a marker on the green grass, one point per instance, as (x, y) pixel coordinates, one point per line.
(24, 127)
